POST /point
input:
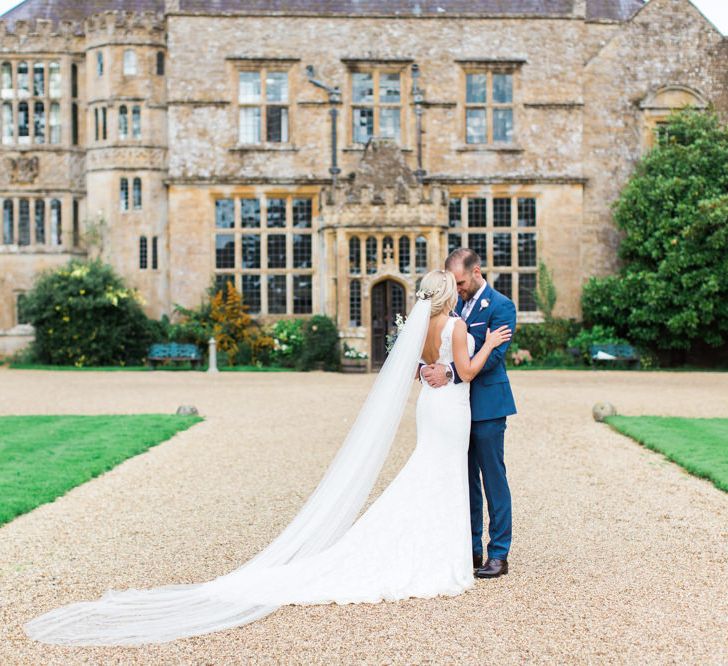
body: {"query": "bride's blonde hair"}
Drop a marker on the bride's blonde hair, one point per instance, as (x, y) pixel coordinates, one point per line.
(440, 287)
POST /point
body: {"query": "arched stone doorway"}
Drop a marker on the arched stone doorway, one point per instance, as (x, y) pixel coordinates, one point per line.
(387, 300)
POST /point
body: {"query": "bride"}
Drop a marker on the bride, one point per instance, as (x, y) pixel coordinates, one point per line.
(414, 540)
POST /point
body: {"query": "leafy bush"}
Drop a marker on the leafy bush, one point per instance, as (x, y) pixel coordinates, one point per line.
(224, 317)
(597, 335)
(544, 339)
(545, 294)
(83, 314)
(320, 344)
(672, 292)
(287, 337)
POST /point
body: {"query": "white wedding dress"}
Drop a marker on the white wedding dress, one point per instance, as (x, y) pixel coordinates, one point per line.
(413, 541)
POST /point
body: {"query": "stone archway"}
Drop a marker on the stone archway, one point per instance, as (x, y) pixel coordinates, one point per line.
(388, 298)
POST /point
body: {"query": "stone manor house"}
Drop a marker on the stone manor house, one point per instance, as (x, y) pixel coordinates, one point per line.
(323, 154)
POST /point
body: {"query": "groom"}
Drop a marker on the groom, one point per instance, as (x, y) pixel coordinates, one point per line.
(491, 401)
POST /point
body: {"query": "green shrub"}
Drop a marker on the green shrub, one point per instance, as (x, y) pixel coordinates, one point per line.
(83, 314)
(239, 338)
(597, 335)
(287, 337)
(672, 293)
(546, 338)
(320, 345)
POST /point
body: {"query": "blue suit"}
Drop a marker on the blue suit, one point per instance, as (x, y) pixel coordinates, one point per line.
(491, 401)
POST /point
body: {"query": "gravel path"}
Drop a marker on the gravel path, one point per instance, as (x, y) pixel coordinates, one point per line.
(618, 555)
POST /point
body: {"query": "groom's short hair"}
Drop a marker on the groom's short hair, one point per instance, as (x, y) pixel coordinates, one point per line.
(469, 258)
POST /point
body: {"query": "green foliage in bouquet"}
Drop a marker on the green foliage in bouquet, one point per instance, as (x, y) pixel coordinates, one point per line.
(84, 314)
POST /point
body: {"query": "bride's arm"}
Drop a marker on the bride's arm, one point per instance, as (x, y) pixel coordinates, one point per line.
(467, 367)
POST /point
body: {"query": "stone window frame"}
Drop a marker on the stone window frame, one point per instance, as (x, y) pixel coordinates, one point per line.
(660, 104)
(44, 221)
(489, 68)
(263, 232)
(42, 112)
(377, 68)
(263, 67)
(143, 253)
(459, 210)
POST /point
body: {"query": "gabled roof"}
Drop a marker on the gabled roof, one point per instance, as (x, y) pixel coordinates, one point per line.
(78, 10)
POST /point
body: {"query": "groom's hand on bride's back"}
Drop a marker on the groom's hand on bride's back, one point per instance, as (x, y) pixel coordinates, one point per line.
(435, 374)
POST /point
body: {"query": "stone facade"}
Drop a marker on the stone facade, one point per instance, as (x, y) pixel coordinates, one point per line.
(510, 132)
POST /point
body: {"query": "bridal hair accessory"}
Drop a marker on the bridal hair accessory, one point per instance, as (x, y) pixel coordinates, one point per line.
(424, 294)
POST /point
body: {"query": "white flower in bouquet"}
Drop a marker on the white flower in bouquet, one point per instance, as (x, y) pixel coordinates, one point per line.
(399, 322)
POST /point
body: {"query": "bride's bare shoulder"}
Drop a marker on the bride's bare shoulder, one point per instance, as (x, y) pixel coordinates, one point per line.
(460, 325)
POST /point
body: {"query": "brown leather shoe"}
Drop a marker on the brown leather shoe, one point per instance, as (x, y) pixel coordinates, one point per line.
(477, 561)
(492, 569)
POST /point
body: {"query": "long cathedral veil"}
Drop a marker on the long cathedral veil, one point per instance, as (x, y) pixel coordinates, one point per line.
(161, 614)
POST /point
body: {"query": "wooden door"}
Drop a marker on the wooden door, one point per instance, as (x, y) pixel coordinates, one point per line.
(388, 300)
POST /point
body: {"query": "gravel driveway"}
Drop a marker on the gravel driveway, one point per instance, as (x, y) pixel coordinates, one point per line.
(618, 556)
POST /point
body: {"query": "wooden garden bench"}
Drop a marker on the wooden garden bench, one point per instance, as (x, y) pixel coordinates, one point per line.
(173, 351)
(613, 353)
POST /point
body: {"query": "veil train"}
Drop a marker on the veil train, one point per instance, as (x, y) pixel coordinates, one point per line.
(162, 614)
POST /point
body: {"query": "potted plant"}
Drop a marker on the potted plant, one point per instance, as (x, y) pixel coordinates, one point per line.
(353, 360)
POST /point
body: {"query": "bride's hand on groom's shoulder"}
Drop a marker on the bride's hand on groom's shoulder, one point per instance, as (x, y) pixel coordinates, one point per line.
(497, 337)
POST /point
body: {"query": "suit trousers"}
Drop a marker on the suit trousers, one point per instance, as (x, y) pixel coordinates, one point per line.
(485, 459)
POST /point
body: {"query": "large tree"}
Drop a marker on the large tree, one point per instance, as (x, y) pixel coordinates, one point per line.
(672, 290)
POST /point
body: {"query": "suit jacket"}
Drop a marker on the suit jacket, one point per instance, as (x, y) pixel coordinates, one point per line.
(490, 391)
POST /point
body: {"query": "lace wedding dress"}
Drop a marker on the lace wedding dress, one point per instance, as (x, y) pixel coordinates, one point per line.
(413, 541)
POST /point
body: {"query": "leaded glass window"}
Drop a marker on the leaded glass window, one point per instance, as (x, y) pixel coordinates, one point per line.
(488, 107)
(302, 294)
(124, 194)
(354, 255)
(355, 303)
(23, 222)
(502, 230)
(142, 252)
(421, 254)
(137, 193)
(277, 294)
(274, 259)
(56, 223)
(40, 234)
(8, 222)
(263, 106)
(371, 255)
(405, 265)
(123, 122)
(376, 105)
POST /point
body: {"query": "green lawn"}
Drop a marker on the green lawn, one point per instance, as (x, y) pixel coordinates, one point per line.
(698, 445)
(43, 457)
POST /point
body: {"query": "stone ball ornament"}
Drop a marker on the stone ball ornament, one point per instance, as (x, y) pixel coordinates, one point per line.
(603, 410)
(187, 410)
